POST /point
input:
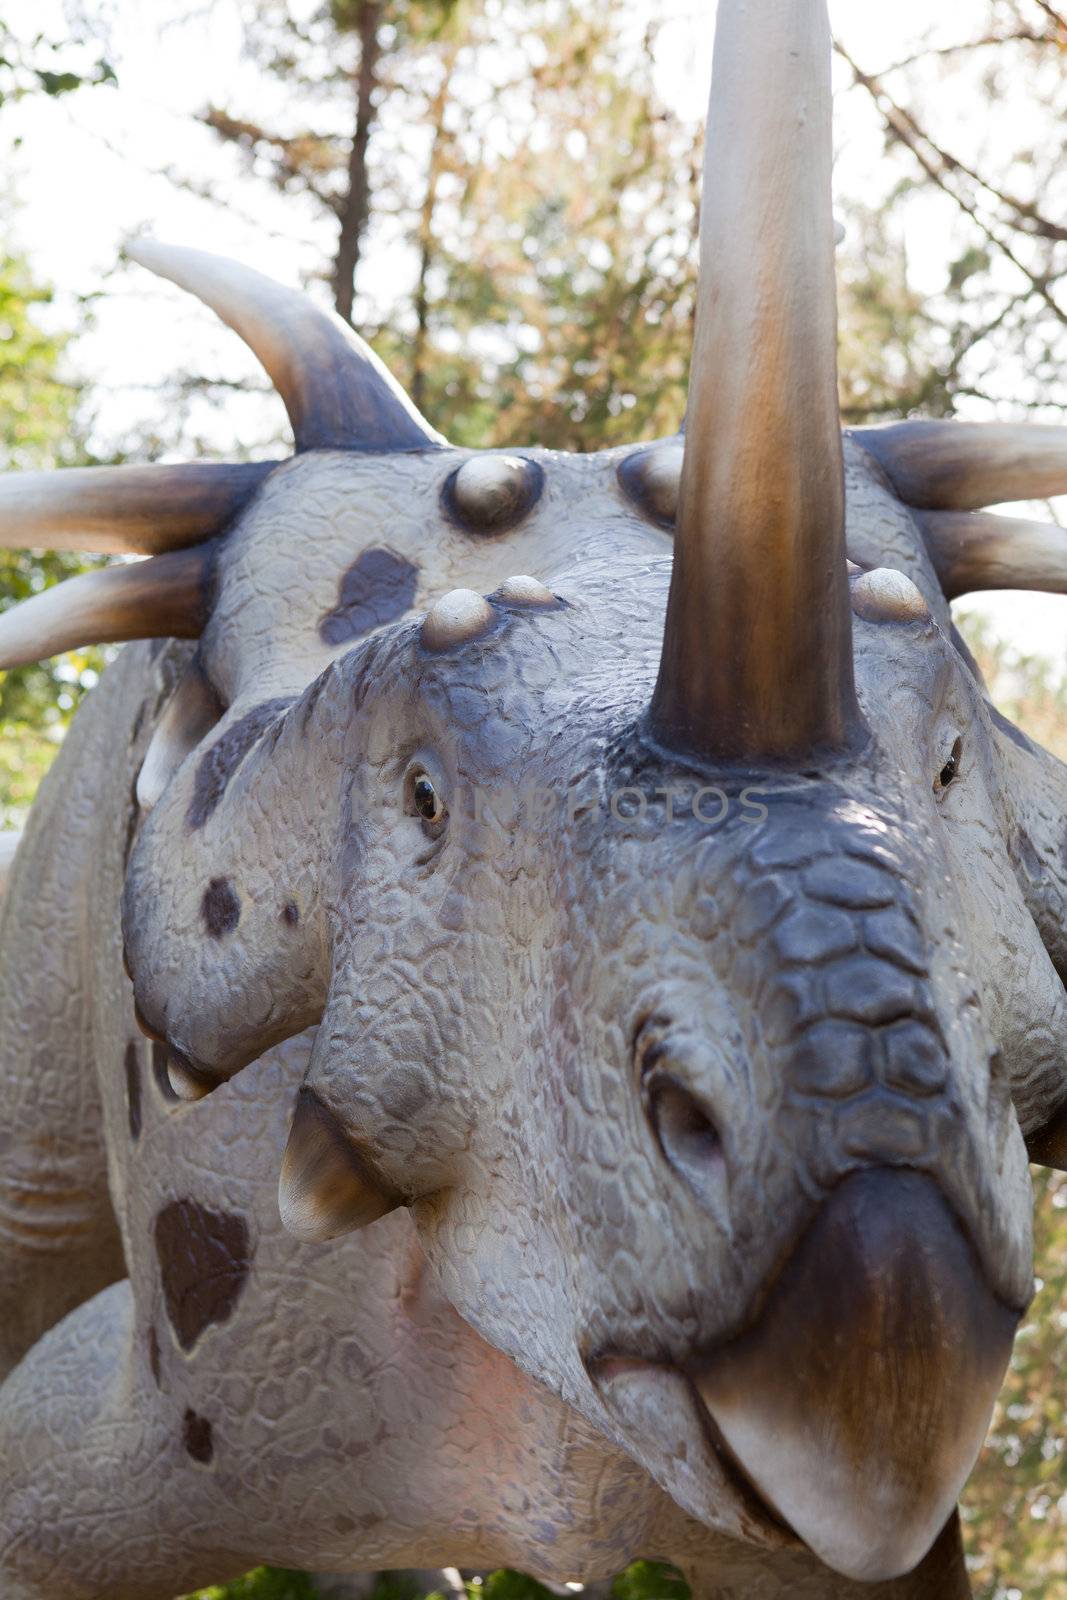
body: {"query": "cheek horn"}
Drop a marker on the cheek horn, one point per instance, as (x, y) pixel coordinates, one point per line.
(327, 1187)
(189, 717)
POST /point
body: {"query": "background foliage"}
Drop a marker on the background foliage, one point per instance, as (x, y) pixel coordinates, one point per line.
(38, 428)
(547, 199)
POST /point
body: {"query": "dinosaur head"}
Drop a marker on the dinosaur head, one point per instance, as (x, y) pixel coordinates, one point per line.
(695, 1070)
(683, 934)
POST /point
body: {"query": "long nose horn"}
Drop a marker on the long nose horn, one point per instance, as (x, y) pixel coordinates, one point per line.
(757, 652)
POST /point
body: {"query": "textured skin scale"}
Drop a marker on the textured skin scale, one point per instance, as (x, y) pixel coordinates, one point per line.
(341, 1415)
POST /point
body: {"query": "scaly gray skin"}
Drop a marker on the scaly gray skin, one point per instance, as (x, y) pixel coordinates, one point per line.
(488, 997)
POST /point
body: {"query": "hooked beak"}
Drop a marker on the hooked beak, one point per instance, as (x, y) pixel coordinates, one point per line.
(858, 1400)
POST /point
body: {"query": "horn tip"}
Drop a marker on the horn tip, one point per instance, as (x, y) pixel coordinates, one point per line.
(145, 250)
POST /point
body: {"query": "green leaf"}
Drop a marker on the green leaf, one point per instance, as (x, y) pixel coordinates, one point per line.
(650, 1580)
(58, 82)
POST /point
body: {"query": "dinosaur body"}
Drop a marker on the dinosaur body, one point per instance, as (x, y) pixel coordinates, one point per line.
(602, 961)
(315, 1405)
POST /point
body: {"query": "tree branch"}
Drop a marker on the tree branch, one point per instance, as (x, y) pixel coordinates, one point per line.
(1053, 14)
(901, 120)
(938, 165)
(299, 158)
(1020, 36)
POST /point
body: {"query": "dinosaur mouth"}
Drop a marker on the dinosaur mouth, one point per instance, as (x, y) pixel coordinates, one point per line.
(858, 1400)
(850, 1411)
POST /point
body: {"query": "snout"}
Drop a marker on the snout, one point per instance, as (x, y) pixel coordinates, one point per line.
(857, 1400)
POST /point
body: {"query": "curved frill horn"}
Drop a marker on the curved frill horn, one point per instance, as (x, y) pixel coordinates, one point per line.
(166, 597)
(117, 510)
(337, 393)
(962, 466)
(174, 514)
(757, 652)
(973, 551)
(946, 470)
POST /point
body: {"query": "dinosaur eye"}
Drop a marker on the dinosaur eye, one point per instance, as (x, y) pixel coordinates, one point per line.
(951, 770)
(425, 801)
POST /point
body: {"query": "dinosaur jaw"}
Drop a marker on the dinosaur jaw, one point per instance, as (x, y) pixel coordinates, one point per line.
(659, 1417)
(857, 1402)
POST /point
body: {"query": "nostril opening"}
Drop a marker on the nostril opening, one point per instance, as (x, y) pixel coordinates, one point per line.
(687, 1136)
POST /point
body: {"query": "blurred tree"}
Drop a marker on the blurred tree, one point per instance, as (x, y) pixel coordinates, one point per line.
(892, 347)
(265, 1583)
(564, 266)
(644, 1580)
(1015, 1511)
(38, 408)
(346, 57)
(549, 203)
(1029, 689)
(1015, 1508)
(994, 186)
(40, 65)
(544, 196)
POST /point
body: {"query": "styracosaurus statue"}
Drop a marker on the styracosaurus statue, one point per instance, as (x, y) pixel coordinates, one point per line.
(599, 890)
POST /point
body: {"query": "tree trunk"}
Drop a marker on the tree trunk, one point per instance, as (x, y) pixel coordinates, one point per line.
(355, 208)
(417, 385)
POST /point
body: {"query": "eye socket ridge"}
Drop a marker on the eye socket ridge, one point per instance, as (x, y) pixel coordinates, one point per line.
(951, 769)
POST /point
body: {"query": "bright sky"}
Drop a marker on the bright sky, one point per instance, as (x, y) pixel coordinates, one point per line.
(87, 171)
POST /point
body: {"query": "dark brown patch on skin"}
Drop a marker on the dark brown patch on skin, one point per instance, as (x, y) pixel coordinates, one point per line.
(196, 1436)
(204, 1258)
(133, 1089)
(159, 1073)
(220, 908)
(218, 765)
(378, 588)
(290, 913)
(153, 1354)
